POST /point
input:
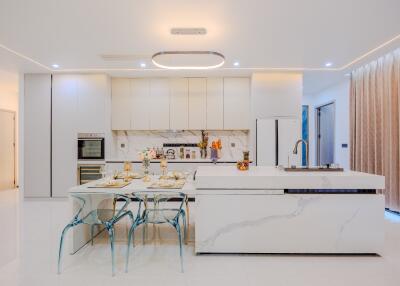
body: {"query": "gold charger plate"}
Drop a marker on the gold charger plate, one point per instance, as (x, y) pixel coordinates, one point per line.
(164, 185)
(108, 185)
(133, 176)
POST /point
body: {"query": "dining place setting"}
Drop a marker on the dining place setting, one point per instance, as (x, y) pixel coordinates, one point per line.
(158, 199)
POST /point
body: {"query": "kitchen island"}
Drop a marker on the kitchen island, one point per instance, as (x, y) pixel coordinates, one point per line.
(268, 210)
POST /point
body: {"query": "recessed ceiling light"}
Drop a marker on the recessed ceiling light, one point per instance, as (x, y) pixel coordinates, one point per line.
(56, 66)
(143, 65)
(188, 60)
(188, 31)
(347, 74)
(236, 64)
(328, 64)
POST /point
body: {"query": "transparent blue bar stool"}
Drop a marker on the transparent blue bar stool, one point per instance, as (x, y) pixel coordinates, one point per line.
(97, 209)
(158, 210)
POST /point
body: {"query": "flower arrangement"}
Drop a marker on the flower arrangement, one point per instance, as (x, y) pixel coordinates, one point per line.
(203, 144)
(147, 154)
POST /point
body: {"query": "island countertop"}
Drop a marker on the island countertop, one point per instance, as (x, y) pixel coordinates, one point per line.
(264, 177)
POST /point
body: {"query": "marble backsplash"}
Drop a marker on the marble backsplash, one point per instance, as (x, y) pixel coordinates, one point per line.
(127, 144)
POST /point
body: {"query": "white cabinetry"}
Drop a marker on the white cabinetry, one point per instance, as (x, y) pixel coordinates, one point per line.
(64, 134)
(215, 104)
(289, 133)
(121, 103)
(197, 103)
(140, 94)
(92, 91)
(180, 103)
(236, 103)
(178, 106)
(159, 107)
(78, 105)
(37, 108)
(276, 138)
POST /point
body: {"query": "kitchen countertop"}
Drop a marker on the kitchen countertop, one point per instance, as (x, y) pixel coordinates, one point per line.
(263, 177)
(208, 160)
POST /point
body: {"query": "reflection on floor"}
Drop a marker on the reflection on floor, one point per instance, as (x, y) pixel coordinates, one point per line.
(157, 262)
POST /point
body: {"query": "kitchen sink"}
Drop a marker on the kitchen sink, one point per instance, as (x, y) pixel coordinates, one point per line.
(313, 169)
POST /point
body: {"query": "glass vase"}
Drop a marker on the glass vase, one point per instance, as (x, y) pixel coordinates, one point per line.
(146, 170)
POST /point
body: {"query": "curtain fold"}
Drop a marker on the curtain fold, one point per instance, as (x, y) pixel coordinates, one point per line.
(375, 122)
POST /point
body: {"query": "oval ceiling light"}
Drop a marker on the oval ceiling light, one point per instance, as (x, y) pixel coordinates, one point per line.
(188, 60)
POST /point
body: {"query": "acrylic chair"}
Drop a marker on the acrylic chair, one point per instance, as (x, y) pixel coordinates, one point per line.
(158, 210)
(97, 209)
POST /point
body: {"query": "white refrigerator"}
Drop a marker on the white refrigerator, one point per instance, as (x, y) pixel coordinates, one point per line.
(275, 140)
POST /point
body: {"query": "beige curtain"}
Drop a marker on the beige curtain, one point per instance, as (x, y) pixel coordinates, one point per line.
(375, 122)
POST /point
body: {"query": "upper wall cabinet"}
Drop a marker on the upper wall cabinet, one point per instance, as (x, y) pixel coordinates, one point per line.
(215, 104)
(179, 104)
(197, 103)
(141, 104)
(121, 104)
(159, 102)
(92, 91)
(236, 103)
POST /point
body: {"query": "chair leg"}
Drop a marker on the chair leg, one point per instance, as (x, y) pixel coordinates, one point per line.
(144, 233)
(92, 233)
(131, 236)
(178, 229)
(185, 231)
(61, 247)
(187, 214)
(111, 236)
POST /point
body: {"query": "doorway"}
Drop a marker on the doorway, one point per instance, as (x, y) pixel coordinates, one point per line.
(325, 135)
(7, 149)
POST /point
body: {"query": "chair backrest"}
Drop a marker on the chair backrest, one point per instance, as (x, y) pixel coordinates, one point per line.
(96, 207)
(161, 201)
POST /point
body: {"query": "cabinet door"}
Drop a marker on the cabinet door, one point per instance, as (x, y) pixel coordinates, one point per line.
(37, 118)
(159, 97)
(140, 92)
(289, 133)
(178, 107)
(121, 104)
(92, 92)
(64, 134)
(266, 142)
(197, 103)
(236, 103)
(215, 103)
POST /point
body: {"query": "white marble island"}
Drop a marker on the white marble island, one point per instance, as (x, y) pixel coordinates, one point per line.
(267, 210)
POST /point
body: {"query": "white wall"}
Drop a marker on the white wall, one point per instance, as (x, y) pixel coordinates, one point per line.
(339, 94)
(274, 95)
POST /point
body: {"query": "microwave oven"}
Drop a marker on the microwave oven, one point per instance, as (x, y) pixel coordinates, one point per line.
(90, 146)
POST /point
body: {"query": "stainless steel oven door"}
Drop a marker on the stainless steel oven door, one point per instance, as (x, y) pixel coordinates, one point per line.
(91, 149)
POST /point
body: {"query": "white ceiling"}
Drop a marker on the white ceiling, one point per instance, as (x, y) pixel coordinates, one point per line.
(260, 34)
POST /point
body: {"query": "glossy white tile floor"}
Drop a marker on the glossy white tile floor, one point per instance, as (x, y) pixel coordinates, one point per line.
(34, 247)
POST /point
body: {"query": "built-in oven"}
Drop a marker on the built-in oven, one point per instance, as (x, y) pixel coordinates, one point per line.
(90, 146)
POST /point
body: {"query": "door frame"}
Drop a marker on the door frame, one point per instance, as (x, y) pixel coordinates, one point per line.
(14, 143)
(317, 127)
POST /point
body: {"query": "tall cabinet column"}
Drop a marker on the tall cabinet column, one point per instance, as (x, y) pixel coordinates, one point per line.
(37, 146)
